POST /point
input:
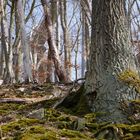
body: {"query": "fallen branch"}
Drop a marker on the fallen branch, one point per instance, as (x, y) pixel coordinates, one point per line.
(13, 100)
(25, 100)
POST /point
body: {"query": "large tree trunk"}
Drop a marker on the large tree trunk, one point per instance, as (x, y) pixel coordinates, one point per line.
(110, 54)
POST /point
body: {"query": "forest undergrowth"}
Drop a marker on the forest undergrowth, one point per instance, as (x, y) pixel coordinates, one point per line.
(34, 112)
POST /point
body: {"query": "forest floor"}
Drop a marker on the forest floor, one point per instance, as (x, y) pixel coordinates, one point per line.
(27, 113)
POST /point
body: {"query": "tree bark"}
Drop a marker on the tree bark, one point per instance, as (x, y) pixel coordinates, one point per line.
(8, 75)
(110, 54)
(52, 47)
(66, 41)
(24, 44)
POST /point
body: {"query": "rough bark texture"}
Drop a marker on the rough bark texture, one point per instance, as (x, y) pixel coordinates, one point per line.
(110, 54)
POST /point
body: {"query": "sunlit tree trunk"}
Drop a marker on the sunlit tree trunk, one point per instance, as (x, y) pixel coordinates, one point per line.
(8, 72)
(17, 63)
(54, 19)
(110, 54)
(24, 44)
(52, 47)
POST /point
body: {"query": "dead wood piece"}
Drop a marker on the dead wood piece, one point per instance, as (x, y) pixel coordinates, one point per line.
(13, 100)
(25, 100)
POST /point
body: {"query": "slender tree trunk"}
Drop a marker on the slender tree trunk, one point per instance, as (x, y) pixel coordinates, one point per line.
(16, 47)
(8, 73)
(1, 61)
(75, 62)
(83, 61)
(63, 15)
(52, 47)
(24, 44)
(110, 54)
(49, 68)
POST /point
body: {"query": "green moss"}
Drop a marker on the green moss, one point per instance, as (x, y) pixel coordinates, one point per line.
(52, 114)
(136, 102)
(50, 135)
(124, 130)
(3, 112)
(61, 120)
(64, 121)
(10, 106)
(129, 136)
(63, 124)
(131, 78)
(72, 134)
(129, 128)
(17, 125)
(87, 138)
(64, 118)
(92, 126)
(29, 137)
(7, 108)
(37, 129)
(135, 128)
(90, 117)
(49, 103)
(37, 133)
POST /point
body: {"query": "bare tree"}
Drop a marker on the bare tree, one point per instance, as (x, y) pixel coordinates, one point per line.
(24, 43)
(8, 72)
(66, 39)
(52, 47)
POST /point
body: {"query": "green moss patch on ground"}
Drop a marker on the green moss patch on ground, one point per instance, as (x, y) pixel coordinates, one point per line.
(71, 122)
(7, 108)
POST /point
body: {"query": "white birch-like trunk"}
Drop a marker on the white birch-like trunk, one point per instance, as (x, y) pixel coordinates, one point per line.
(24, 44)
(9, 74)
